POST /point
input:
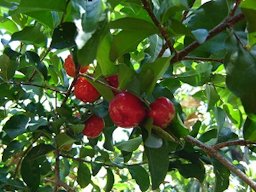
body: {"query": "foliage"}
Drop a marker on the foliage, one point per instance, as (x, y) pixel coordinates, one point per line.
(199, 55)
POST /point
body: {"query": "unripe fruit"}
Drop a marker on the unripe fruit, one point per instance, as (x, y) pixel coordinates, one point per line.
(162, 111)
(113, 81)
(93, 127)
(70, 67)
(85, 91)
(126, 110)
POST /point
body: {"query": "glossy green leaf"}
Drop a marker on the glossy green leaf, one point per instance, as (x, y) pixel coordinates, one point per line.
(46, 5)
(7, 67)
(30, 35)
(200, 35)
(221, 177)
(240, 66)
(198, 76)
(140, 175)
(92, 15)
(107, 66)
(9, 25)
(83, 175)
(211, 95)
(154, 156)
(126, 41)
(125, 75)
(16, 125)
(64, 36)
(130, 145)
(110, 180)
(63, 139)
(249, 130)
(152, 72)
(178, 128)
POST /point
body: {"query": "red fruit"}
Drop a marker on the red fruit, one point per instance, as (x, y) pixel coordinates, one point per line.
(162, 111)
(93, 127)
(113, 81)
(126, 110)
(70, 68)
(85, 91)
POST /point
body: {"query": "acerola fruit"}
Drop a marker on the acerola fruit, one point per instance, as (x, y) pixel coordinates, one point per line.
(70, 67)
(93, 127)
(85, 91)
(113, 81)
(162, 111)
(126, 110)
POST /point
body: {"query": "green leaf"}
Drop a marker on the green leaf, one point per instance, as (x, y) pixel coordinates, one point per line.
(140, 175)
(7, 67)
(45, 17)
(126, 41)
(200, 35)
(110, 180)
(151, 73)
(136, 24)
(221, 177)
(83, 175)
(46, 5)
(16, 125)
(240, 67)
(63, 139)
(64, 36)
(130, 145)
(212, 96)
(103, 50)
(9, 25)
(249, 129)
(178, 128)
(92, 15)
(153, 141)
(30, 35)
(198, 76)
(157, 170)
(30, 173)
(125, 75)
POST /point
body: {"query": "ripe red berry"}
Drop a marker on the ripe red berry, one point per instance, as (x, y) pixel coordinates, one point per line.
(93, 127)
(70, 68)
(113, 81)
(85, 91)
(162, 111)
(126, 110)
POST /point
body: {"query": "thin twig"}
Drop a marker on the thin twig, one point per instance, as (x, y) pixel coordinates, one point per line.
(232, 143)
(203, 59)
(212, 33)
(161, 28)
(214, 153)
(232, 12)
(57, 170)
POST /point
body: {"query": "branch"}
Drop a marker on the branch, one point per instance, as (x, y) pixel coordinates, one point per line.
(161, 28)
(212, 33)
(214, 153)
(232, 143)
(203, 59)
(57, 170)
(232, 12)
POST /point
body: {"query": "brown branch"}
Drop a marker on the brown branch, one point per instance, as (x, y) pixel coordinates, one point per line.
(212, 33)
(214, 153)
(57, 170)
(203, 59)
(161, 28)
(232, 12)
(232, 143)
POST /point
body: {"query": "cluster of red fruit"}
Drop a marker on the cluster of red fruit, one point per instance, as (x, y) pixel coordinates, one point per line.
(125, 109)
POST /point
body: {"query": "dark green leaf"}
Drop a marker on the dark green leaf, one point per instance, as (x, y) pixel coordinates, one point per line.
(46, 5)
(83, 175)
(130, 145)
(221, 177)
(200, 35)
(151, 73)
(7, 67)
(211, 95)
(64, 36)
(249, 130)
(30, 35)
(63, 139)
(110, 180)
(16, 125)
(140, 175)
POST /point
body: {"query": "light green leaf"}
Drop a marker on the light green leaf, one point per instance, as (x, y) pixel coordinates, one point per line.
(46, 5)
(63, 139)
(130, 145)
